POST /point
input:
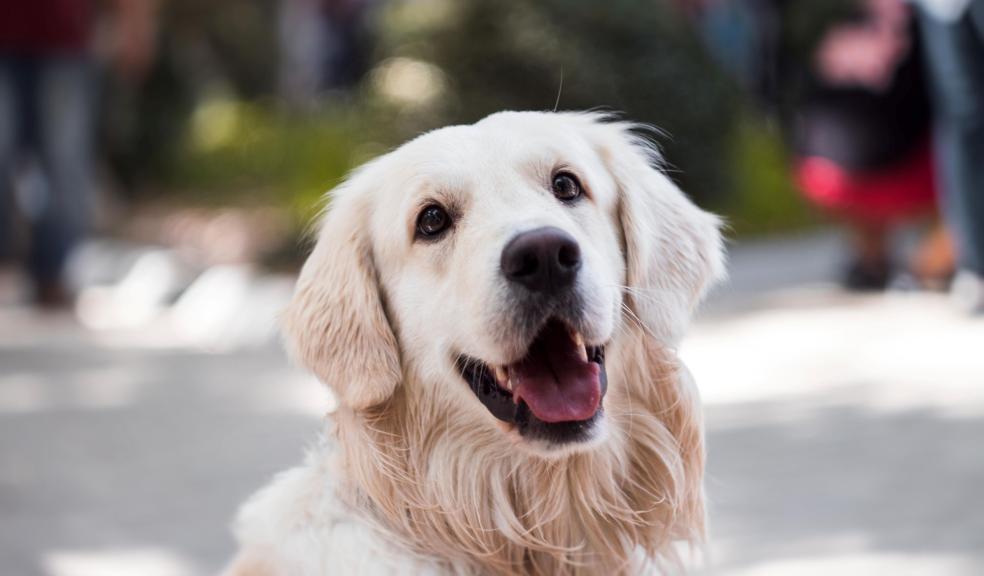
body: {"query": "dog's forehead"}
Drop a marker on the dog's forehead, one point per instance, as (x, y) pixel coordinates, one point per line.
(499, 144)
(502, 158)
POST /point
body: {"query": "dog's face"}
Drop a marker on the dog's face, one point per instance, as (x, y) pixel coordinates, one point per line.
(493, 264)
(501, 263)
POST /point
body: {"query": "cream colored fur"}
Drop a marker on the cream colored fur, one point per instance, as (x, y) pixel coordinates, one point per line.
(414, 476)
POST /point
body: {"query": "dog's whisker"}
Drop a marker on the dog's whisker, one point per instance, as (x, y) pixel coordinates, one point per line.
(635, 318)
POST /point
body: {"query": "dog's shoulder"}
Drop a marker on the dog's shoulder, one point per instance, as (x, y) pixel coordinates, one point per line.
(298, 525)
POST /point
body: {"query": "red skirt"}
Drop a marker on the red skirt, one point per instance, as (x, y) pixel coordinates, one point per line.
(886, 196)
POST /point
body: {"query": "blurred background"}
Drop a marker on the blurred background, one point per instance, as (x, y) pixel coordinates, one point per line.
(161, 161)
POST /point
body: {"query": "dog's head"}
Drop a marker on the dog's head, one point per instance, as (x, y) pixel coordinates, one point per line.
(492, 264)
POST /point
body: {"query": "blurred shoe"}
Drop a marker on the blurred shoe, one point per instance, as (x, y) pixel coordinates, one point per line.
(862, 276)
(905, 281)
(52, 295)
(934, 261)
(967, 292)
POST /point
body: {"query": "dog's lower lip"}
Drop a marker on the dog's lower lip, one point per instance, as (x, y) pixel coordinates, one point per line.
(483, 383)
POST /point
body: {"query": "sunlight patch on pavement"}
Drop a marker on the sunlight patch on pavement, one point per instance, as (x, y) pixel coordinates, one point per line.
(212, 301)
(104, 388)
(22, 392)
(298, 393)
(904, 351)
(95, 389)
(125, 562)
(864, 564)
(160, 302)
(137, 298)
(229, 307)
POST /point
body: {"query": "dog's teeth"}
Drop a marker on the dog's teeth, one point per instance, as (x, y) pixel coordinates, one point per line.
(500, 375)
(582, 352)
(579, 340)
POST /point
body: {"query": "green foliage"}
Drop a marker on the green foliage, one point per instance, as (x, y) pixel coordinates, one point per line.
(636, 57)
(226, 45)
(763, 198)
(246, 153)
(454, 61)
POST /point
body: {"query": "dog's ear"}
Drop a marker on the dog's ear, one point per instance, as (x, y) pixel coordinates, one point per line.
(673, 249)
(336, 324)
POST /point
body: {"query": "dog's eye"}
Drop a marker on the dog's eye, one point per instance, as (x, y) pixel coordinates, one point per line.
(565, 186)
(432, 221)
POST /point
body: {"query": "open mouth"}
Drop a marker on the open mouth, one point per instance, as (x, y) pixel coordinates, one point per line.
(553, 393)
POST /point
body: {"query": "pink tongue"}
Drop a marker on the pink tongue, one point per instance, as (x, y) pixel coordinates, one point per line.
(553, 380)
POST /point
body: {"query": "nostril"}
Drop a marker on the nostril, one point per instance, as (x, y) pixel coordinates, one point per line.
(569, 255)
(526, 265)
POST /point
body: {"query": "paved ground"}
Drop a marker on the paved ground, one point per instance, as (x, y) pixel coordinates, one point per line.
(845, 433)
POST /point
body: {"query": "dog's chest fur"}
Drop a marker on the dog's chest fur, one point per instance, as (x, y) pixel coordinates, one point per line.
(302, 528)
(613, 512)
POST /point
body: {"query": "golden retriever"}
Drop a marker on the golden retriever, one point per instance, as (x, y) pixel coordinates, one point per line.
(496, 308)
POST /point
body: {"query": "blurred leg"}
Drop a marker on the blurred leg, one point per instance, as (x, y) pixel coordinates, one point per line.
(65, 108)
(8, 148)
(955, 55)
(933, 262)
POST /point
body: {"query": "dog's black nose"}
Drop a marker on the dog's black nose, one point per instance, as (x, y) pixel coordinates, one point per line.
(542, 260)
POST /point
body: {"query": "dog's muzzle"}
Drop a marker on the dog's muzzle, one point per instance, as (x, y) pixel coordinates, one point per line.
(554, 390)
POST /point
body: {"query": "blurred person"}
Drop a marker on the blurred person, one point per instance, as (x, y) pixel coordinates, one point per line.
(47, 118)
(846, 77)
(324, 45)
(861, 134)
(953, 32)
(744, 37)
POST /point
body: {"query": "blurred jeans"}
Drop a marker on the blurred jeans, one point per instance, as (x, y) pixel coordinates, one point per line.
(46, 120)
(955, 58)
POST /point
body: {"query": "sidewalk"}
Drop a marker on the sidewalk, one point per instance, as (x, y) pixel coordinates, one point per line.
(844, 432)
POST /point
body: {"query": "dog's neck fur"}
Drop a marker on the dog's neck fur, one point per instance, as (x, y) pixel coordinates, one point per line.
(461, 494)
